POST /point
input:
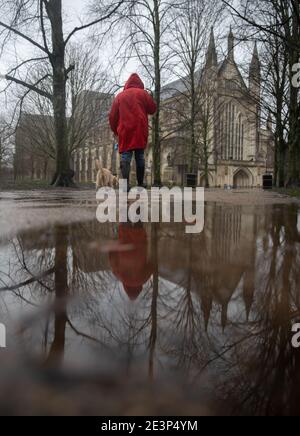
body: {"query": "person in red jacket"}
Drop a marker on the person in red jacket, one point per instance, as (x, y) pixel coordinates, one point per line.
(129, 121)
(132, 267)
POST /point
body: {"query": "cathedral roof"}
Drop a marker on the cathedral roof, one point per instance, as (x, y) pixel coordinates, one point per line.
(178, 86)
(233, 64)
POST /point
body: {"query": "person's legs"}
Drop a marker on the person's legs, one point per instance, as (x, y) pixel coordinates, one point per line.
(126, 158)
(140, 166)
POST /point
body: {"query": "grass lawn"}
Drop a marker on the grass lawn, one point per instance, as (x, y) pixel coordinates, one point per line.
(292, 192)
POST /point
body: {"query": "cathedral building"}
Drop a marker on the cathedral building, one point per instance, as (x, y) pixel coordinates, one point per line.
(237, 151)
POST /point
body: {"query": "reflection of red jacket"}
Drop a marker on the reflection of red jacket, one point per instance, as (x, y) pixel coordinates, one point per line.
(132, 267)
(129, 115)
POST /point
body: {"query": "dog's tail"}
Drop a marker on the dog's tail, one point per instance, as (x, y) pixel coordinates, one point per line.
(99, 165)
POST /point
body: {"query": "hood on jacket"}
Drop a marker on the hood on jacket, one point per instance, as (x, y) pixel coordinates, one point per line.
(134, 81)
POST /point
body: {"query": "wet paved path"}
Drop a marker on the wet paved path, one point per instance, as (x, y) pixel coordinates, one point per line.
(30, 209)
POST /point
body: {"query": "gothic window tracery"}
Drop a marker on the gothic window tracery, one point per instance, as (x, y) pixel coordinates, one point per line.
(232, 133)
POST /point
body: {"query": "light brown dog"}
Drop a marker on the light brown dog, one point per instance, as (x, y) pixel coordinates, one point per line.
(105, 178)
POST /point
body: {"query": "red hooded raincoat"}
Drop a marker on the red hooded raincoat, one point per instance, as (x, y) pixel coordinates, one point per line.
(129, 115)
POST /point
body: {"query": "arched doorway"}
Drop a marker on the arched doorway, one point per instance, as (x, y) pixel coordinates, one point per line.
(202, 182)
(242, 179)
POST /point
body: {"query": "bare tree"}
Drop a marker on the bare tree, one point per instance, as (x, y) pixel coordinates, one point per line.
(275, 89)
(208, 117)
(87, 98)
(44, 18)
(190, 33)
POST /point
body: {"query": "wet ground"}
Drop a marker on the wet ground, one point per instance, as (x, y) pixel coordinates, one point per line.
(121, 319)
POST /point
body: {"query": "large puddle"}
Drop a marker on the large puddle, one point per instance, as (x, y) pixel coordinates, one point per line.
(118, 317)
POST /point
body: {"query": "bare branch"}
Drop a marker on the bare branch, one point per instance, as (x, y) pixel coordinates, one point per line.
(93, 23)
(30, 86)
(23, 36)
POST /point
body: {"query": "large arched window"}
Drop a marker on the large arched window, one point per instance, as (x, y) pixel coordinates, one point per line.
(231, 133)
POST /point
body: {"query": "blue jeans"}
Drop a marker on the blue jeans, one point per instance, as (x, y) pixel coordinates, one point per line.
(139, 157)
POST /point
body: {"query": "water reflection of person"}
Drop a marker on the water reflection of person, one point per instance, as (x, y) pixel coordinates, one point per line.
(132, 266)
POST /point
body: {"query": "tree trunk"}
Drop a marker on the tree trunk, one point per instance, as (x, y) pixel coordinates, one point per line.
(294, 139)
(281, 163)
(206, 144)
(32, 168)
(1, 156)
(280, 146)
(64, 175)
(193, 123)
(156, 119)
(294, 129)
(206, 169)
(45, 169)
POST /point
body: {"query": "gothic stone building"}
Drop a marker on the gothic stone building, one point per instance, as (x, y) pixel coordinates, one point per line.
(34, 148)
(239, 151)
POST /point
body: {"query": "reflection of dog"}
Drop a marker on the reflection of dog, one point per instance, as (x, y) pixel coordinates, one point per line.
(105, 178)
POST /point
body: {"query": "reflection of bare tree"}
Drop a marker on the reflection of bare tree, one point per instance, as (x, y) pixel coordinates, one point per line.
(154, 326)
(266, 366)
(187, 316)
(41, 274)
(61, 294)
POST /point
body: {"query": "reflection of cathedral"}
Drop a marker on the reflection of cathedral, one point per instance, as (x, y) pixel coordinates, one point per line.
(216, 263)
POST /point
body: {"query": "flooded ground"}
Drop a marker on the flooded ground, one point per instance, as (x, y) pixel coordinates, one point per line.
(123, 319)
